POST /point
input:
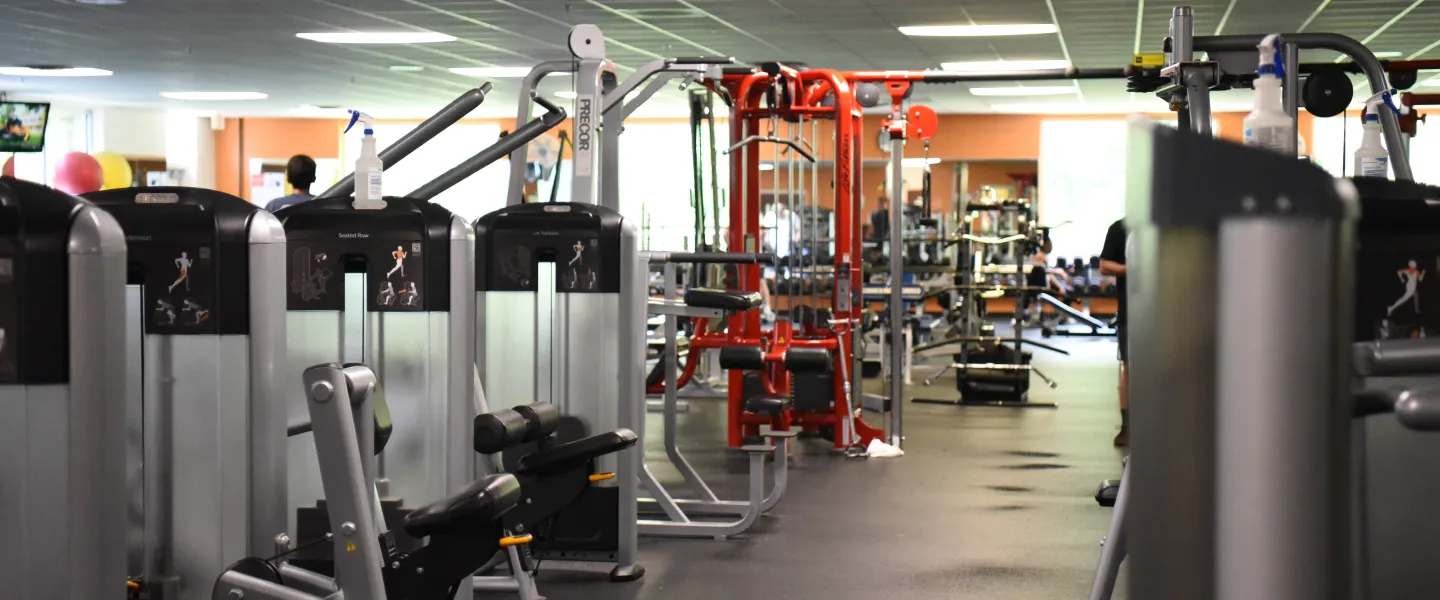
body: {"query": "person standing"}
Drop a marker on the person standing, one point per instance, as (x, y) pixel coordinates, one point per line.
(300, 172)
(1112, 262)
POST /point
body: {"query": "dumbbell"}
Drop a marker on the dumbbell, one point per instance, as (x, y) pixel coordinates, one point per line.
(1062, 263)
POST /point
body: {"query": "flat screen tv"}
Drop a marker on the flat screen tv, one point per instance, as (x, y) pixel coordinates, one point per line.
(22, 126)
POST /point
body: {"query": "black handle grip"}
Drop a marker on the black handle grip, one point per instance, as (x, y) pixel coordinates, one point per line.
(295, 429)
(703, 60)
(1415, 409)
(548, 105)
(1396, 357)
(731, 258)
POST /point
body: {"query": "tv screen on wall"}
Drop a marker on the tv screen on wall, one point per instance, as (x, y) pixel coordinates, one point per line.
(22, 126)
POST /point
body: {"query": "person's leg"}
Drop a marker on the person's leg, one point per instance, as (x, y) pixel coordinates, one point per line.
(1123, 438)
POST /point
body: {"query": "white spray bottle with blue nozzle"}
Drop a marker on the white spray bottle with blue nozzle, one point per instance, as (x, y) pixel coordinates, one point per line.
(1268, 125)
(1371, 159)
(369, 194)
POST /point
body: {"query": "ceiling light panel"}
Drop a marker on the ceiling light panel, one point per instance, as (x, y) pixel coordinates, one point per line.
(54, 72)
(978, 30)
(214, 96)
(377, 37)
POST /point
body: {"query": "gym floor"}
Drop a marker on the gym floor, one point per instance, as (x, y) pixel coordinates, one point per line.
(987, 503)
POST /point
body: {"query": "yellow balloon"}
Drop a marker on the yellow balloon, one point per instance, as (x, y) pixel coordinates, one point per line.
(116, 169)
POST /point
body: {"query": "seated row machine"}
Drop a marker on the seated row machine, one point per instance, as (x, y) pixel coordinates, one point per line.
(464, 529)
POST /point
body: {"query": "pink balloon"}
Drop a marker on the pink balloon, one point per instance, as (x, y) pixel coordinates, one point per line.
(78, 173)
(8, 169)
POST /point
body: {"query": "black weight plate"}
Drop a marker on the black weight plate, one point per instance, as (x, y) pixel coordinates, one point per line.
(1403, 80)
(1327, 93)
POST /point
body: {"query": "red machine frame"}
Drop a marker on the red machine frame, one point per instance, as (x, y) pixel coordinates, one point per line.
(797, 94)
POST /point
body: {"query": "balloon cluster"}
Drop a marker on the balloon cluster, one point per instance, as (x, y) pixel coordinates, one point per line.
(80, 173)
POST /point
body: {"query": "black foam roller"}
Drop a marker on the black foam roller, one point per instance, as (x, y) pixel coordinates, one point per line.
(499, 430)
(541, 419)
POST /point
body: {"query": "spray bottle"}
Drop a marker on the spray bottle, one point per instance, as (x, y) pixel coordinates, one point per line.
(1268, 125)
(368, 167)
(1371, 160)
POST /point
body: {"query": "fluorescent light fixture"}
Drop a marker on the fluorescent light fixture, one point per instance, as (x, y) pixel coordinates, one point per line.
(1042, 90)
(101, 2)
(377, 37)
(919, 162)
(1431, 82)
(1004, 66)
(214, 96)
(1389, 54)
(406, 68)
(310, 110)
(568, 95)
(979, 30)
(492, 72)
(767, 167)
(54, 72)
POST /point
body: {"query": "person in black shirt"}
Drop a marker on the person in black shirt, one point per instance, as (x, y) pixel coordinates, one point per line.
(1112, 262)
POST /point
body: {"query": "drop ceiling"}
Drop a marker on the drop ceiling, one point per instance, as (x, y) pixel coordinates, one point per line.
(156, 46)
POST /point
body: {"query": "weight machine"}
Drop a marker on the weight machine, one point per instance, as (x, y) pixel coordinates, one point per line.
(821, 401)
(1246, 485)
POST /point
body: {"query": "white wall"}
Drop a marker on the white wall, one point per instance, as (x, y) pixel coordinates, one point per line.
(132, 132)
(189, 145)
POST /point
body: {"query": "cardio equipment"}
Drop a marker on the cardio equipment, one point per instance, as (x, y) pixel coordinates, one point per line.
(62, 457)
(205, 353)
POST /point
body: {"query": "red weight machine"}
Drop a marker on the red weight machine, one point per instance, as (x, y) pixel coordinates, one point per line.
(780, 93)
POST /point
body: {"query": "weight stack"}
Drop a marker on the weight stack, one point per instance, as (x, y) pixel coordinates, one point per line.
(990, 385)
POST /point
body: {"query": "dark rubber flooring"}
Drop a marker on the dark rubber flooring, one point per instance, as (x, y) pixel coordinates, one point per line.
(988, 503)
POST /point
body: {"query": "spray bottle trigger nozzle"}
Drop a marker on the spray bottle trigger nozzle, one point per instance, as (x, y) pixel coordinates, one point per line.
(354, 116)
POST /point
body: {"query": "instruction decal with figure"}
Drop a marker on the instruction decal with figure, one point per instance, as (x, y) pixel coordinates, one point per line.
(1396, 291)
(575, 254)
(392, 278)
(179, 286)
(315, 281)
(394, 265)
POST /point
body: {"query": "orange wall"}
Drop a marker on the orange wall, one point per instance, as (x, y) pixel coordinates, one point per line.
(994, 137)
(995, 174)
(247, 138)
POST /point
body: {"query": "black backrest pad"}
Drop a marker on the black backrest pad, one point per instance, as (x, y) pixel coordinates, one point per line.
(212, 229)
(742, 357)
(34, 311)
(802, 360)
(497, 431)
(541, 419)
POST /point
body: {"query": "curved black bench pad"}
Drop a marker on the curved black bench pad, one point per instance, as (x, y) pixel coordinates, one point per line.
(576, 453)
(721, 299)
(472, 510)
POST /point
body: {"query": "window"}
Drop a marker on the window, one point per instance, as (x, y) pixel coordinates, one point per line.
(657, 183)
(1082, 181)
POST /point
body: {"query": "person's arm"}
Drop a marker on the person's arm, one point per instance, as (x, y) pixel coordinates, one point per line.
(1110, 267)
